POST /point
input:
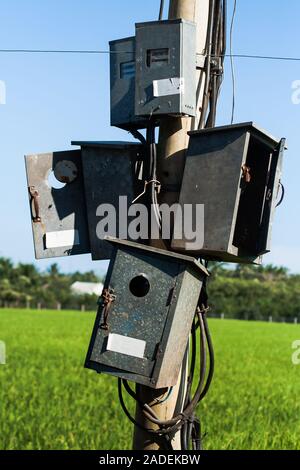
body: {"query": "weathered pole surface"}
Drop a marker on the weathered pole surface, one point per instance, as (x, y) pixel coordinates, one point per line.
(173, 142)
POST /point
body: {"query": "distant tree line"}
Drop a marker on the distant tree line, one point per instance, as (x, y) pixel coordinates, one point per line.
(241, 291)
(254, 292)
(23, 285)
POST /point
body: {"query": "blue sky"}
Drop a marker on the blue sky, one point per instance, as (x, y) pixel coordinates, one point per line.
(53, 99)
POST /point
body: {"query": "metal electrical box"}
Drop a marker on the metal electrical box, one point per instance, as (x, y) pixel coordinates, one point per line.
(145, 314)
(110, 171)
(166, 68)
(122, 84)
(235, 172)
(58, 214)
(67, 189)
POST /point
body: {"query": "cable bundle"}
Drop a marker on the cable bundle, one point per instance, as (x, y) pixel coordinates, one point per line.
(215, 53)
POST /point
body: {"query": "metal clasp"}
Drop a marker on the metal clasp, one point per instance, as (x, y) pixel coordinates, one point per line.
(35, 200)
(246, 175)
(107, 298)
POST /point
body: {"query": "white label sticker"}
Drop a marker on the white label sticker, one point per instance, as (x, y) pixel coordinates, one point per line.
(125, 345)
(168, 86)
(62, 239)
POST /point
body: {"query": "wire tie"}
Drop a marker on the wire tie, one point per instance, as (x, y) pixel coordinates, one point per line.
(157, 186)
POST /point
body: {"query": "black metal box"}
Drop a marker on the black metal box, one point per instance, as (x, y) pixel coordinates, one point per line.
(235, 172)
(145, 314)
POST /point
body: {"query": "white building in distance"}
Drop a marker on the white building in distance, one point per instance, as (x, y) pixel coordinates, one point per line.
(87, 288)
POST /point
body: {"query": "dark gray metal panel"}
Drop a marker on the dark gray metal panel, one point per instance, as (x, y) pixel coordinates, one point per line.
(178, 332)
(58, 215)
(178, 37)
(212, 178)
(122, 84)
(250, 126)
(188, 260)
(238, 210)
(123, 374)
(275, 175)
(120, 145)
(109, 173)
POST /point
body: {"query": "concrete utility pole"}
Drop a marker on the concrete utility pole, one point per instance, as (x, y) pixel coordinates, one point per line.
(173, 138)
(173, 142)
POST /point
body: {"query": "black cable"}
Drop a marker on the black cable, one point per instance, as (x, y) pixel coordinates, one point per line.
(191, 430)
(138, 135)
(160, 440)
(263, 57)
(217, 61)
(224, 27)
(213, 94)
(151, 177)
(207, 64)
(211, 360)
(161, 10)
(282, 194)
(125, 409)
(186, 428)
(186, 421)
(177, 421)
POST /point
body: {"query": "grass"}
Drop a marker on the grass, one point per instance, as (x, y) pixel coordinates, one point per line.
(49, 401)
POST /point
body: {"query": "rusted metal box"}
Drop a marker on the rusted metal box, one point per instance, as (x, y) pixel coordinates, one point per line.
(145, 314)
(65, 208)
(166, 68)
(235, 172)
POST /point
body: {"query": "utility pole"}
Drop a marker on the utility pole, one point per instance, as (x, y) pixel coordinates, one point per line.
(173, 142)
(146, 341)
(173, 138)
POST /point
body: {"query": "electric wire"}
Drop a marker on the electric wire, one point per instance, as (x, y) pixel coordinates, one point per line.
(82, 51)
(152, 172)
(60, 51)
(214, 52)
(161, 10)
(95, 52)
(208, 52)
(217, 70)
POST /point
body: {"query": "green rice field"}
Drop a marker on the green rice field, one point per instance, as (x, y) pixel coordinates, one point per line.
(49, 401)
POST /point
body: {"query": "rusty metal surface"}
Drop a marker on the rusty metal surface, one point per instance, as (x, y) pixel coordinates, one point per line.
(59, 214)
(160, 318)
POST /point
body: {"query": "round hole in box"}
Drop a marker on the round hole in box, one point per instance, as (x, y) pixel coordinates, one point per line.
(139, 286)
(54, 182)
